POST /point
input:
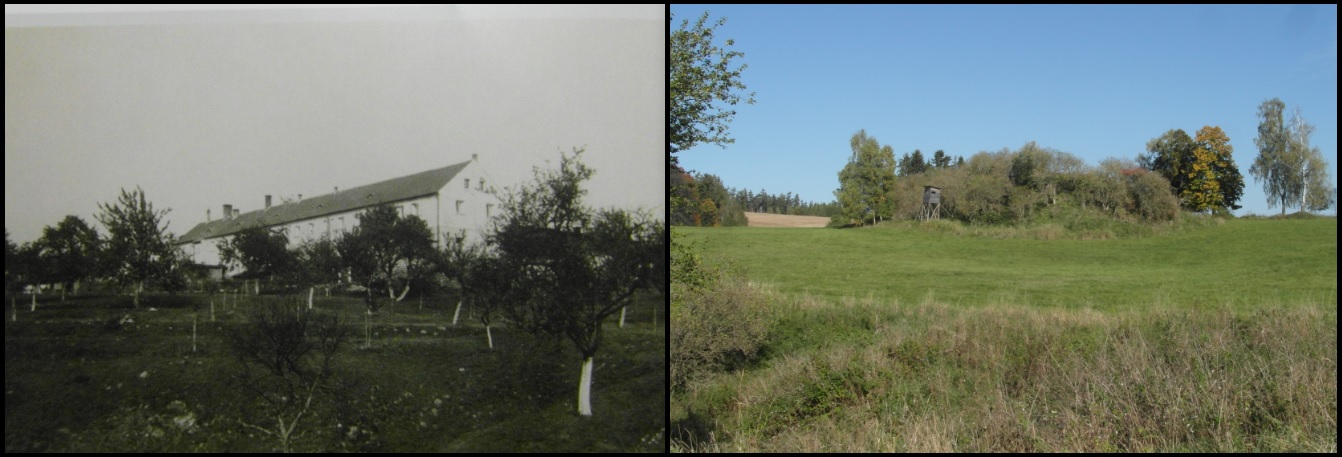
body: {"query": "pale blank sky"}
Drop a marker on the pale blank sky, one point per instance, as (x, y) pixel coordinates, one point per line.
(202, 114)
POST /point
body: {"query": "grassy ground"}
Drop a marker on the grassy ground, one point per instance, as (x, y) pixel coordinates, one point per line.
(79, 379)
(1238, 263)
(1218, 338)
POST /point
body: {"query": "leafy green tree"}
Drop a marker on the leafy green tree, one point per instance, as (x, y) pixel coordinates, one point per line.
(1170, 156)
(1316, 189)
(1029, 167)
(71, 250)
(705, 85)
(139, 250)
(684, 195)
(1280, 161)
(867, 182)
(940, 159)
(568, 267)
(1319, 191)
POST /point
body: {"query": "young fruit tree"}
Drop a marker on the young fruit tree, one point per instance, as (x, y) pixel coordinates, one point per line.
(568, 266)
(138, 249)
(284, 356)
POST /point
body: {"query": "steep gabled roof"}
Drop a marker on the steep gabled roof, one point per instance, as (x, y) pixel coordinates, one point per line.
(391, 190)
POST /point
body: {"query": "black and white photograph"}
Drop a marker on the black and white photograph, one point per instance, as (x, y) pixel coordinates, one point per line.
(305, 228)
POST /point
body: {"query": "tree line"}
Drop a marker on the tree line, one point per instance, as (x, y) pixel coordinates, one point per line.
(551, 265)
(1176, 172)
(710, 203)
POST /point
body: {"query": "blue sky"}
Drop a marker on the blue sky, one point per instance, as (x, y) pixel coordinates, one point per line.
(1094, 81)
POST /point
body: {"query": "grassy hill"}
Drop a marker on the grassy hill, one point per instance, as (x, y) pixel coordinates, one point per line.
(1213, 337)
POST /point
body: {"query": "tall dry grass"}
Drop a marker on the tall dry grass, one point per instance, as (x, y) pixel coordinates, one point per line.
(1004, 378)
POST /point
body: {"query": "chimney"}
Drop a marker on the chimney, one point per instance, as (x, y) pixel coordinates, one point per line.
(228, 211)
(236, 212)
(300, 197)
(337, 189)
(475, 157)
(207, 214)
(267, 201)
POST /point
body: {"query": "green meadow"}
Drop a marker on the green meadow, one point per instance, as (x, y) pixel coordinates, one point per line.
(1236, 263)
(1203, 336)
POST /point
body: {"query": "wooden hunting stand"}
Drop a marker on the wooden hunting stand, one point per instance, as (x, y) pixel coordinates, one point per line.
(931, 204)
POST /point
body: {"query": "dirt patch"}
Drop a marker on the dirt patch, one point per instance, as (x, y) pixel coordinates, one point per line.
(779, 220)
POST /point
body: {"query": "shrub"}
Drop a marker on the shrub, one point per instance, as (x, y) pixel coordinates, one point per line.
(717, 319)
(1151, 197)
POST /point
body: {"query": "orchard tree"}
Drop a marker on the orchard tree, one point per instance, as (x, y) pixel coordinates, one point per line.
(139, 250)
(263, 252)
(30, 269)
(566, 267)
(867, 182)
(71, 251)
(314, 262)
(384, 248)
(10, 254)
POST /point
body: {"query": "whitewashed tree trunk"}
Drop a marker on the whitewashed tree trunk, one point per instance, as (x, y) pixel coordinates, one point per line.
(193, 333)
(257, 284)
(403, 292)
(14, 305)
(456, 314)
(490, 335)
(585, 389)
(311, 290)
(622, 316)
(368, 330)
(34, 295)
(62, 294)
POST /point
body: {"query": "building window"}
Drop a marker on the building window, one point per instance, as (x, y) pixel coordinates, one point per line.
(468, 184)
(480, 183)
(459, 202)
(416, 206)
(489, 209)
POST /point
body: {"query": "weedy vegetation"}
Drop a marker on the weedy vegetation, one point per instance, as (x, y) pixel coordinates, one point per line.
(1206, 337)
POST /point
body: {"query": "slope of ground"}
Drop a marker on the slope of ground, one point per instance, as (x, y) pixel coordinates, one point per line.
(1220, 338)
(779, 220)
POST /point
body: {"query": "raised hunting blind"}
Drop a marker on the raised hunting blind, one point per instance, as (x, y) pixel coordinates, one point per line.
(931, 203)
